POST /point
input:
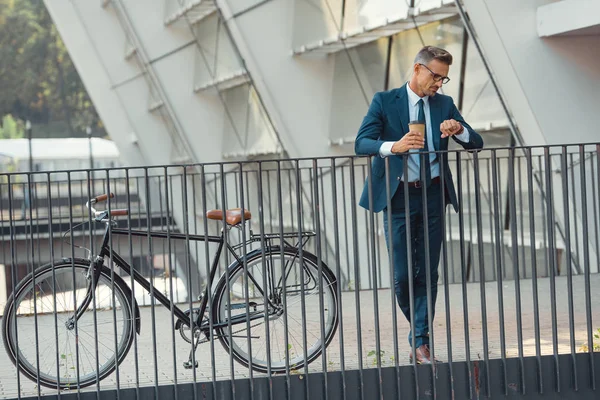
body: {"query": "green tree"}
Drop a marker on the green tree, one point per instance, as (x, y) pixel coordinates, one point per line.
(11, 128)
(38, 80)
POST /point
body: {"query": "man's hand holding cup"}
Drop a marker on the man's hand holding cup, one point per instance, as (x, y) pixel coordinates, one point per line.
(414, 139)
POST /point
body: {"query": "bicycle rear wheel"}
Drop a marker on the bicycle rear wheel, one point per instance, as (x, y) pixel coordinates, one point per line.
(62, 353)
(299, 324)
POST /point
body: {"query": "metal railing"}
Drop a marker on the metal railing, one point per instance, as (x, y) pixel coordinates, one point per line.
(515, 312)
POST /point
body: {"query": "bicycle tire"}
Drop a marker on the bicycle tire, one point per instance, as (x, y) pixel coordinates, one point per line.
(291, 352)
(65, 376)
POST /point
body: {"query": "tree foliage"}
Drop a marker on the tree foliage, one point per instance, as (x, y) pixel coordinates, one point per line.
(38, 80)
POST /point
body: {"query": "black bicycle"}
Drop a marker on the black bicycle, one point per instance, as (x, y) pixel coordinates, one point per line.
(68, 324)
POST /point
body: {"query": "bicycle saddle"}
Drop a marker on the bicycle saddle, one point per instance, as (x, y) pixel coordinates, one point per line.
(232, 216)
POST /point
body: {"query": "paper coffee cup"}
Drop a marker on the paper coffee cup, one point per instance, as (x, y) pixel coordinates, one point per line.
(417, 126)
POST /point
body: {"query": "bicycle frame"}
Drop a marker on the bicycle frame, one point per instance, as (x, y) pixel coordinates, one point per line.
(106, 251)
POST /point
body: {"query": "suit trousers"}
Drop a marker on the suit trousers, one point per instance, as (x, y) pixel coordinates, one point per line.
(418, 260)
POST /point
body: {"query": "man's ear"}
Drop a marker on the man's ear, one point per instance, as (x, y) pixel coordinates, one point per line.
(415, 68)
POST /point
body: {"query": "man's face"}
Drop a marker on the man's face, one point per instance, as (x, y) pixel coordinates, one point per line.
(427, 75)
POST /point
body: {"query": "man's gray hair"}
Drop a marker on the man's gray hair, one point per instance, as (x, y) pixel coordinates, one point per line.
(428, 53)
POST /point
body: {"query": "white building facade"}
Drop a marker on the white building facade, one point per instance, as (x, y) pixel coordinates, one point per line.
(196, 81)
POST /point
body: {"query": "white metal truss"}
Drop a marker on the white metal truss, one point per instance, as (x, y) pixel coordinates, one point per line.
(388, 27)
(195, 11)
(157, 101)
(226, 82)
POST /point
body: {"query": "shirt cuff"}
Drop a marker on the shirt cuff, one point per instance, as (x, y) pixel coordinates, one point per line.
(386, 149)
(463, 137)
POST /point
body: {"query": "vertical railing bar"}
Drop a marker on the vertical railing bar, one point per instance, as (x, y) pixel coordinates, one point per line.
(544, 200)
(170, 251)
(388, 212)
(73, 275)
(534, 272)
(243, 223)
(300, 216)
(523, 262)
(461, 225)
(568, 265)
(151, 258)
(514, 226)
(357, 283)
(225, 231)
(571, 166)
(411, 278)
(30, 207)
(14, 281)
(51, 248)
(428, 277)
(442, 164)
(482, 279)
(209, 300)
(288, 383)
(595, 178)
(317, 209)
(451, 236)
(500, 210)
(586, 260)
(470, 263)
(111, 265)
(497, 198)
(338, 273)
(373, 286)
(552, 264)
(491, 215)
(345, 214)
(132, 284)
(270, 198)
(94, 283)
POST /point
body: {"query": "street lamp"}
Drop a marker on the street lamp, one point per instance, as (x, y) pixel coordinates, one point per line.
(28, 131)
(88, 131)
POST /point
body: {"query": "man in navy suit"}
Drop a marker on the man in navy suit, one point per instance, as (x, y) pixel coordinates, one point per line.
(384, 133)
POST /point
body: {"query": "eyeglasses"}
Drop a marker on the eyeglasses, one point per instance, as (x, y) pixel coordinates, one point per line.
(437, 77)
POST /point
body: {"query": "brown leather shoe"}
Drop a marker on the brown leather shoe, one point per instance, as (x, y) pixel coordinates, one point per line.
(422, 354)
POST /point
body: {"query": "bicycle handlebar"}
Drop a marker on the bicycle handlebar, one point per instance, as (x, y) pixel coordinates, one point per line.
(100, 198)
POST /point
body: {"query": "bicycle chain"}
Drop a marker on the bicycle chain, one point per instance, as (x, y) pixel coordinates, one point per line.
(206, 340)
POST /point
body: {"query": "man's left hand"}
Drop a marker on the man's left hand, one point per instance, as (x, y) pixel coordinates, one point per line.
(451, 127)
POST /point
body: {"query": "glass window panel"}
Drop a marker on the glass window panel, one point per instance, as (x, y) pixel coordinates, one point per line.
(360, 13)
(354, 84)
(216, 57)
(316, 20)
(481, 105)
(248, 130)
(446, 34)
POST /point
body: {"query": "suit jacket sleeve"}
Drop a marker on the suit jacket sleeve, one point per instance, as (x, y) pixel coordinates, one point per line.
(475, 141)
(368, 140)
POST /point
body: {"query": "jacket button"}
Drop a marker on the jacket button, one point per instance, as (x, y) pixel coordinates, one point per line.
(398, 178)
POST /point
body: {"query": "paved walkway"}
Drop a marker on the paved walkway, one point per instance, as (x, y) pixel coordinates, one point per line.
(169, 365)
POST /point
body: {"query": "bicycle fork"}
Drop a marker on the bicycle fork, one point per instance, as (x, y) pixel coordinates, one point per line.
(92, 276)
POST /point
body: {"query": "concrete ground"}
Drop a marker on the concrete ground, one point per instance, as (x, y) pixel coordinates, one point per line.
(162, 366)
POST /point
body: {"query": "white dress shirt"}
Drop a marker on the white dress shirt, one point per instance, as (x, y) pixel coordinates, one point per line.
(414, 160)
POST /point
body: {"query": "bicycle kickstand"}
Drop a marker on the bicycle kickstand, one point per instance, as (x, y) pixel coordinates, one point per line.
(190, 362)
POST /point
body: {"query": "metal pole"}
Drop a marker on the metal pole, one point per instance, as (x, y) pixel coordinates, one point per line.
(28, 130)
(88, 131)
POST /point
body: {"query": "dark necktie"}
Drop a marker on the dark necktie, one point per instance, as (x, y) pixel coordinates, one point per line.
(424, 154)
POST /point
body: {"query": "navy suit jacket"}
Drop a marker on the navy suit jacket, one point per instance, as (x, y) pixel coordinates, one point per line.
(387, 120)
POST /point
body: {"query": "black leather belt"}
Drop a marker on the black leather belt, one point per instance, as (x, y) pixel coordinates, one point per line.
(419, 184)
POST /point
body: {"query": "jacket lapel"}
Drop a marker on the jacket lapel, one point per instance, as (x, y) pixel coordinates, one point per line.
(435, 111)
(402, 108)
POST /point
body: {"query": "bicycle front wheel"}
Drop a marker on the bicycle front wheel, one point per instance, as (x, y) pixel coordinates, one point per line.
(279, 312)
(43, 339)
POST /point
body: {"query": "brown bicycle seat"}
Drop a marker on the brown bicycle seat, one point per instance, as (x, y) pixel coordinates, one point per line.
(232, 217)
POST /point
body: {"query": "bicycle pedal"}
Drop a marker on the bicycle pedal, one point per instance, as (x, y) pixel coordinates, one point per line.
(188, 365)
